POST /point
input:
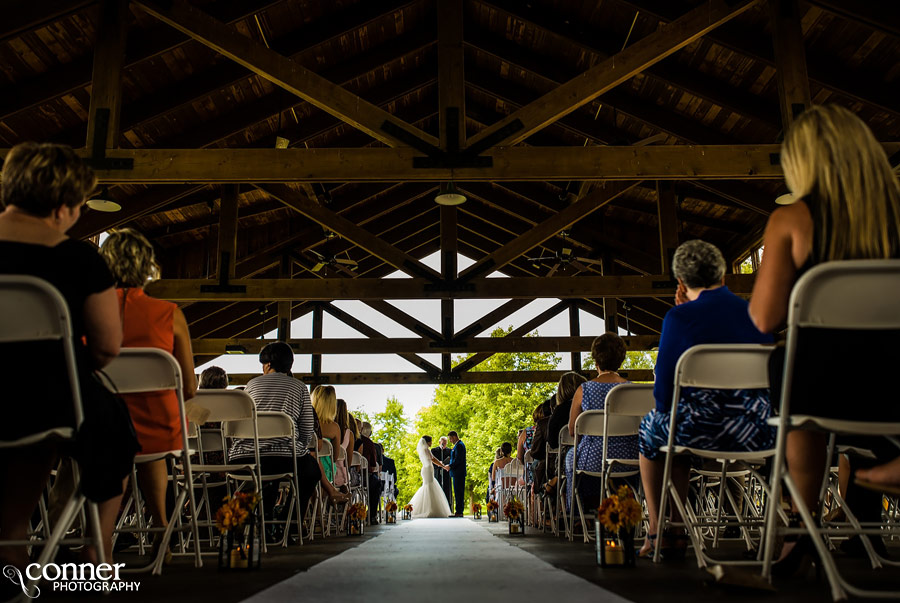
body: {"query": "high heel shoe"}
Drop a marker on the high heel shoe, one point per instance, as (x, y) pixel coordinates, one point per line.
(797, 561)
(648, 554)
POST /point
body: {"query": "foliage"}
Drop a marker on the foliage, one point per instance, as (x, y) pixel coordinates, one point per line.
(484, 415)
(633, 361)
(390, 426)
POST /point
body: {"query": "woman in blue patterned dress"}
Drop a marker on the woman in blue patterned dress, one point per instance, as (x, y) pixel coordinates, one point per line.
(734, 420)
(608, 353)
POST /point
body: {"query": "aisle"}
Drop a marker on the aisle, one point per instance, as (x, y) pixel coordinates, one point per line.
(424, 559)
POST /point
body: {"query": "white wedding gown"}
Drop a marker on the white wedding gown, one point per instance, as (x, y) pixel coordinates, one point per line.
(430, 500)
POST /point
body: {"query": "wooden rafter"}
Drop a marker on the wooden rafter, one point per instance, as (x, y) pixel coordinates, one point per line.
(282, 71)
(790, 59)
(610, 73)
(374, 290)
(467, 378)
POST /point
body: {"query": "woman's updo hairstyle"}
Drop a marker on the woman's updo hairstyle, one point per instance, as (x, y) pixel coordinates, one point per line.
(608, 352)
(427, 439)
(506, 448)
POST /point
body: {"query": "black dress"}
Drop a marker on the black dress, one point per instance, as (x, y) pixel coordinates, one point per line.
(36, 393)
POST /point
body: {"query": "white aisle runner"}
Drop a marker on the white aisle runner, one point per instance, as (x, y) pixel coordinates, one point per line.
(426, 560)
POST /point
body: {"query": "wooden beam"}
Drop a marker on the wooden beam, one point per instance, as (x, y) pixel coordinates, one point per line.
(790, 59)
(449, 250)
(375, 291)
(228, 219)
(880, 15)
(379, 344)
(619, 68)
(467, 378)
(663, 162)
(667, 215)
(549, 228)
(20, 17)
(401, 317)
(451, 78)
(106, 81)
(282, 71)
(377, 339)
(491, 318)
(349, 230)
(520, 331)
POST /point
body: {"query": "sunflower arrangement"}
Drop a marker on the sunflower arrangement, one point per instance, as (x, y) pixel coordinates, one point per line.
(357, 511)
(513, 508)
(476, 507)
(620, 511)
(492, 505)
(408, 508)
(391, 506)
(235, 510)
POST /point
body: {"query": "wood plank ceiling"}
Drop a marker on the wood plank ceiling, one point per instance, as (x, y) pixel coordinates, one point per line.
(344, 74)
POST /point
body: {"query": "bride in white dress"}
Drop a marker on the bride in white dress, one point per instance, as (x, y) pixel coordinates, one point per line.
(430, 500)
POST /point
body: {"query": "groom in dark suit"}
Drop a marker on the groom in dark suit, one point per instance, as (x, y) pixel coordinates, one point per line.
(442, 454)
(457, 469)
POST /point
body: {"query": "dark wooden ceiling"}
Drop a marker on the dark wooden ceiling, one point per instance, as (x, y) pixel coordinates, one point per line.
(177, 93)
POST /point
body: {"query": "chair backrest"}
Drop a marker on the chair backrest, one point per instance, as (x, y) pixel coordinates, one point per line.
(854, 294)
(137, 370)
(356, 461)
(226, 404)
(529, 458)
(325, 448)
(341, 454)
(589, 423)
(564, 438)
(847, 305)
(625, 405)
(31, 309)
(723, 366)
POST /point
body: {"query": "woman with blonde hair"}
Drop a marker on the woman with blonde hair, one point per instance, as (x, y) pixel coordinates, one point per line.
(324, 401)
(847, 207)
(148, 322)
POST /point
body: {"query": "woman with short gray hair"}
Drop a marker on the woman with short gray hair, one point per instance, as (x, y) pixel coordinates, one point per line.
(705, 312)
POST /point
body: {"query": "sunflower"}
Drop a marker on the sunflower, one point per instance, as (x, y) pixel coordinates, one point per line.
(610, 515)
(630, 512)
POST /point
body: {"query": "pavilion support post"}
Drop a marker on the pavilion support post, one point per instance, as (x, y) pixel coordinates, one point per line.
(610, 304)
(228, 217)
(316, 366)
(284, 307)
(449, 246)
(667, 212)
(106, 81)
(790, 59)
(575, 331)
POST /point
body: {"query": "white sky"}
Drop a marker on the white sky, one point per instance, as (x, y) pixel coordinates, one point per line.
(372, 398)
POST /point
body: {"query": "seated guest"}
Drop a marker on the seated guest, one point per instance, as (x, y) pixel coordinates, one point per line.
(277, 390)
(541, 418)
(523, 445)
(847, 208)
(213, 377)
(559, 418)
(504, 460)
(705, 312)
(324, 401)
(608, 354)
(370, 452)
(148, 322)
(342, 418)
(44, 188)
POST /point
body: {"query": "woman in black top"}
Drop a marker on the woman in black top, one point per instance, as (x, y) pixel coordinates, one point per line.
(44, 187)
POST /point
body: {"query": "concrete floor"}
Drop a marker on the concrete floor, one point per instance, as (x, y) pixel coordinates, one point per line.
(425, 559)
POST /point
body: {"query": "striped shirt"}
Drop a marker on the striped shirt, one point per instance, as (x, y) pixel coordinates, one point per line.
(279, 392)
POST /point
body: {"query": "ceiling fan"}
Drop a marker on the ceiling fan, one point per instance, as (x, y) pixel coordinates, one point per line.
(332, 261)
(561, 258)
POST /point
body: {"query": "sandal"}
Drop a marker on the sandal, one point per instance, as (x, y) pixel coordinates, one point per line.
(648, 554)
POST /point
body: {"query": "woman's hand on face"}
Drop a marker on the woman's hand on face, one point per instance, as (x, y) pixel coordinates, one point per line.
(681, 295)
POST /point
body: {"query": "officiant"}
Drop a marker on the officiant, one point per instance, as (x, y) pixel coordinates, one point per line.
(442, 454)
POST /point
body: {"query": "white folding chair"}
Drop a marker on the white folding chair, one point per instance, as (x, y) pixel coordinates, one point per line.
(223, 405)
(566, 441)
(33, 310)
(859, 295)
(508, 482)
(529, 494)
(268, 425)
(723, 367)
(142, 370)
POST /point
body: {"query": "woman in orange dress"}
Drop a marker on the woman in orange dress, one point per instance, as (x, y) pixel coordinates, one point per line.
(148, 322)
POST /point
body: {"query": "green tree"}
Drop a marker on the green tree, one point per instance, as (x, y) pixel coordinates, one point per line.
(390, 426)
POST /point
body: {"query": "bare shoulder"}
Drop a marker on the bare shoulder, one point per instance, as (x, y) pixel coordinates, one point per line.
(795, 217)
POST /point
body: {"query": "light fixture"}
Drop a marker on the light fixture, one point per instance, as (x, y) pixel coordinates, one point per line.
(102, 202)
(281, 142)
(234, 348)
(449, 195)
(785, 199)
